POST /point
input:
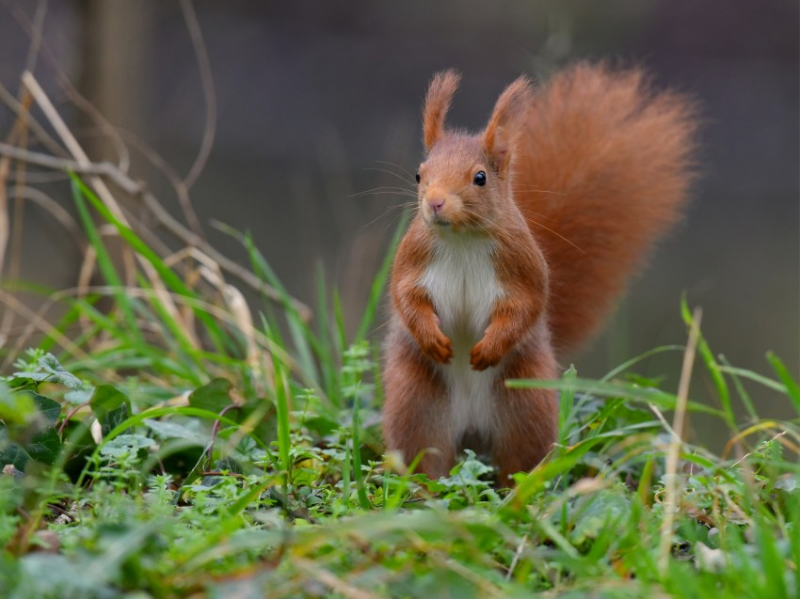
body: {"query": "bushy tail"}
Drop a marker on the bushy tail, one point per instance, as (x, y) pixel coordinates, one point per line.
(602, 172)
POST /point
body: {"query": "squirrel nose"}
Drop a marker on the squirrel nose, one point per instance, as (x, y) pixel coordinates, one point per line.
(435, 204)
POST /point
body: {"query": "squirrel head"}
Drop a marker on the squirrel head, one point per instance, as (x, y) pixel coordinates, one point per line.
(464, 183)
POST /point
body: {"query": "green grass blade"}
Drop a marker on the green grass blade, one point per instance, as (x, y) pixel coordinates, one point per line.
(167, 275)
(792, 389)
(379, 283)
(758, 378)
(338, 314)
(326, 357)
(660, 398)
(713, 368)
(625, 365)
(105, 264)
(172, 333)
(737, 383)
(303, 338)
(358, 474)
(771, 562)
(305, 342)
(566, 401)
(282, 406)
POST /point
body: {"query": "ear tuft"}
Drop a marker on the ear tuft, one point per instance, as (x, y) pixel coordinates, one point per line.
(437, 102)
(507, 121)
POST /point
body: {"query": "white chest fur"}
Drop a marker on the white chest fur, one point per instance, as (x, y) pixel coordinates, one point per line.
(462, 283)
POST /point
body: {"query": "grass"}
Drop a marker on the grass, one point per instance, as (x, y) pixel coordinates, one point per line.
(182, 446)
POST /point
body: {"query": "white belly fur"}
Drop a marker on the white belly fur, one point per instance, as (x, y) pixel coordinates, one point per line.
(463, 286)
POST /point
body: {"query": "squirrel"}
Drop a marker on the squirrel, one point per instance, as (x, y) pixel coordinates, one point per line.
(524, 236)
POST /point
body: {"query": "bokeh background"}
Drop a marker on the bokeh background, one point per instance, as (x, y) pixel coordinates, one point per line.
(319, 101)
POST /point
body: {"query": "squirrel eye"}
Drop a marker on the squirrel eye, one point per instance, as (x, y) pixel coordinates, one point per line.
(417, 176)
(480, 178)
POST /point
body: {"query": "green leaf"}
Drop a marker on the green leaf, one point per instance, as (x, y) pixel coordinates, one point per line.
(214, 397)
(48, 408)
(126, 445)
(11, 453)
(79, 396)
(165, 429)
(44, 447)
(228, 464)
(596, 512)
(111, 407)
(265, 415)
(51, 371)
(16, 409)
(51, 365)
(321, 425)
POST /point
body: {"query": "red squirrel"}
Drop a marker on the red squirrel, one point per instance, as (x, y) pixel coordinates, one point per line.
(524, 236)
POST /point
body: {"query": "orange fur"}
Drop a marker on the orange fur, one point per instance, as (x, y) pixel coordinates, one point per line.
(437, 103)
(581, 178)
(604, 165)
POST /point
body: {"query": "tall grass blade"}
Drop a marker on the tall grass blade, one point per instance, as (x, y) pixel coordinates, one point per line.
(379, 283)
(338, 315)
(566, 401)
(792, 389)
(713, 368)
(106, 265)
(744, 396)
(327, 356)
(358, 474)
(174, 282)
(662, 399)
(282, 405)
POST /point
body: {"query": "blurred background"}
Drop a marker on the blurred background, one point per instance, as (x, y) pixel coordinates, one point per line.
(315, 103)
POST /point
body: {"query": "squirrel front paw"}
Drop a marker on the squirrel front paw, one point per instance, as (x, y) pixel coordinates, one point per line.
(484, 355)
(437, 347)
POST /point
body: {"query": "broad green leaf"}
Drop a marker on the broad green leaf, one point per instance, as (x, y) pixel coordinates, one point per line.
(44, 447)
(213, 396)
(48, 408)
(11, 453)
(16, 409)
(111, 406)
(166, 429)
(126, 445)
(50, 364)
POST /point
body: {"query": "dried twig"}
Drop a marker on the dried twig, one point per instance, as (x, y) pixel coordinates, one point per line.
(99, 185)
(137, 189)
(517, 555)
(40, 323)
(330, 580)
(41, 134)
(74, 95)
(673, 453)
(204, 66)
(63, 217)
(36, 35)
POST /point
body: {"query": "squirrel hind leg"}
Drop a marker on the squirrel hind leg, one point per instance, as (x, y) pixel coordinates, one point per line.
(528, 436)
(416, 410)
(528, 418)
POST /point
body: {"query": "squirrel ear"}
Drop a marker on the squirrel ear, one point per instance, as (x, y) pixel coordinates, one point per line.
(505, 123)
(437, 102)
